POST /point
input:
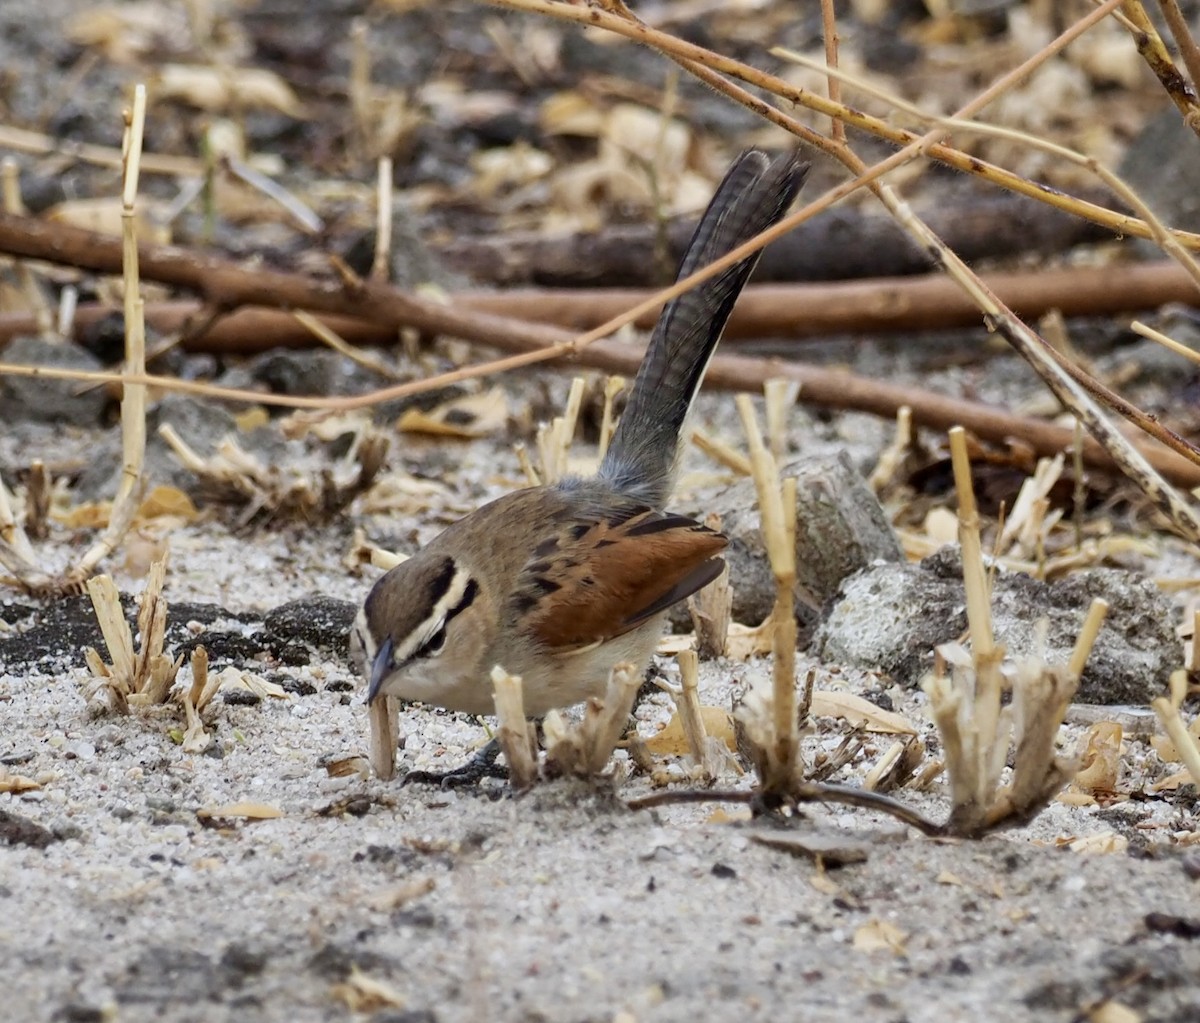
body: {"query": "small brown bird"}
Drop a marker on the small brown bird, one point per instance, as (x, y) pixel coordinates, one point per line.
(559, 583)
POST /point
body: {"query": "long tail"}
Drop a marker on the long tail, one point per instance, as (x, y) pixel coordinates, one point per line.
(756, 192)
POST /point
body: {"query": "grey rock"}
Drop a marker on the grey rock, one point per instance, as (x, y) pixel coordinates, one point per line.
(840, 529)
(50, 401)
(311, 371)
(890, 617)
(202, 424)
(320, 622)
(1160, 165)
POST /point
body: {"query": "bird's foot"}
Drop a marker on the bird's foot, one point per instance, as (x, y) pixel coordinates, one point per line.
(482, 765)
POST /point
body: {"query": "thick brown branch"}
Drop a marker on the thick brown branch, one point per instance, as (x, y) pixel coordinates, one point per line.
(228, 285)
(932, 302)
(842, 244)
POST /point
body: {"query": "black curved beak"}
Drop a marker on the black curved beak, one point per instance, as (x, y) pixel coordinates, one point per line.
(381, 667)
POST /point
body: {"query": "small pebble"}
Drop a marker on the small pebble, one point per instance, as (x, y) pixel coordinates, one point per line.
(1191, 864)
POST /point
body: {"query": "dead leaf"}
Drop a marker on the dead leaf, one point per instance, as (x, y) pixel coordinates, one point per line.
(671, 741)
(161, 502)
(247, 810)
(223, 89)
(343, 767)
(251, 418)
(746, 641)
(1172, 782)
(400, 895)
(363, 994)
(860, 712)
(103, 215)
(1105, 842)
(475, 415)
(16, 782)
(1114, 1012)
(880, 936)
(1100, 758)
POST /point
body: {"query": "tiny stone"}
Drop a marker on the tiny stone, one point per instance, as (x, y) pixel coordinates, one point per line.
(1191, 864)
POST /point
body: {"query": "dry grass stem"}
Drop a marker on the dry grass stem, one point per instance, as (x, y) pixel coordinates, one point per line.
(1158, 58)
(1167, 709)
(888, 468)
(1182, 34)
(328, 336)
(382, 263)
(584, 748)
(516, 736)
(775, 729)
(720, 452)
(1169, 343)
(133, 395)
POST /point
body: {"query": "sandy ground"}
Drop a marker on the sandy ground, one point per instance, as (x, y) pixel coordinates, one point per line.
(560, 905)
(121, 899)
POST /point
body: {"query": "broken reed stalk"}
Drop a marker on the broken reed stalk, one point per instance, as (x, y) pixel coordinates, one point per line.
(10, 185)
(777, 734)
(133, 395)
(584, 749)
(383, 723)
(985, 653)
(966, 707)
(134, 678)
(1168, 711)
(720, 452)
(687, 705)
(196, 738)
(554, 440)
(381, 266)
(515, 734)
(613, 385)
(711, 609)
(781, 395)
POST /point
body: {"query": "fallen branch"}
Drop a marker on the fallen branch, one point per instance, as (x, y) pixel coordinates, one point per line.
(845, 244)
(229, 285)
(800, 310)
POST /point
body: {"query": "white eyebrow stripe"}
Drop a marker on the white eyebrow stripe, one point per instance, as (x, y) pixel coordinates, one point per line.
(437, 617)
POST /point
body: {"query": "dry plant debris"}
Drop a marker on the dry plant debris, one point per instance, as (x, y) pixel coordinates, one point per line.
(236, 476)
(583, 748)
(138, 678)
(976, 730)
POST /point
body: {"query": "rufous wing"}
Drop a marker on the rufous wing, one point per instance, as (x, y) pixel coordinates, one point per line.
(593, 581)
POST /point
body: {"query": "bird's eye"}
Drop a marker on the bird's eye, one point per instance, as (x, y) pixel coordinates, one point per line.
(434, 644)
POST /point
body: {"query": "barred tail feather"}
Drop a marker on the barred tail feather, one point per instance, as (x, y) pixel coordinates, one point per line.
(755, 193)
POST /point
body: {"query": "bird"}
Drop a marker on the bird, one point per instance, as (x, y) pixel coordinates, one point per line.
(560, 583)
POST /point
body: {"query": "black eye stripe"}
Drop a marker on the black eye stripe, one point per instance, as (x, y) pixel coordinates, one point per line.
(434, 644)
(468, 598)
(442, 582)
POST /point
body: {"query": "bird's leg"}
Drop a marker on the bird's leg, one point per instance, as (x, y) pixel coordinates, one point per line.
(481, 765)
